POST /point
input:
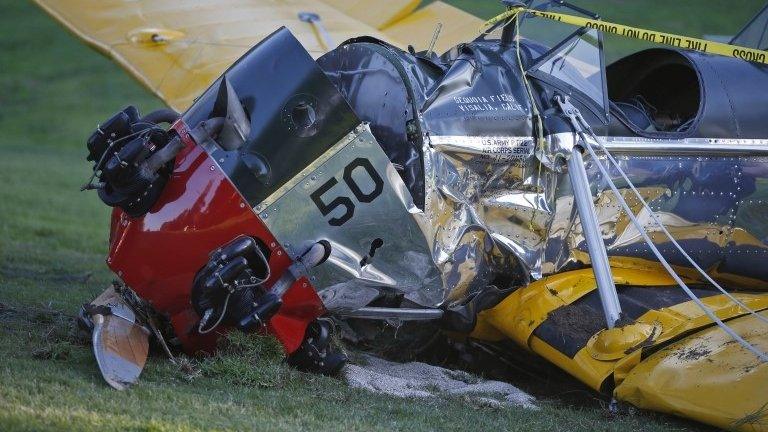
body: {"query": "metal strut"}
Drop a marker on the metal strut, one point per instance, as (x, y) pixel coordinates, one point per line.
(582, 195)
(581, 125)
(317, 25)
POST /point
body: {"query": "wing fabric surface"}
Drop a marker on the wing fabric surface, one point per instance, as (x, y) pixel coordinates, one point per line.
(417, 28)
(177, 49)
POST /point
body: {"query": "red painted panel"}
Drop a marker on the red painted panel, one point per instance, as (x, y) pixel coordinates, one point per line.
(158, 254)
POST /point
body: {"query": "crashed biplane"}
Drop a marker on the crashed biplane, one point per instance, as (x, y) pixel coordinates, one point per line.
(503, 185)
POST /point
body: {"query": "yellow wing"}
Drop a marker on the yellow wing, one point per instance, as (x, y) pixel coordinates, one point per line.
(178, 48)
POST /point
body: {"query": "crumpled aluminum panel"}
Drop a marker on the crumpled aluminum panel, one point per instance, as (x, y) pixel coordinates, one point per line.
(486, 215)
(495, 210)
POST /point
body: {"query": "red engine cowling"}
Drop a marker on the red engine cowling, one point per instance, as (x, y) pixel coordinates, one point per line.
(277, 113)
(199, 210)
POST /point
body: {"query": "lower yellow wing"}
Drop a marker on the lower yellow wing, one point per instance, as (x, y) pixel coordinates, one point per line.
(178, 48)
(707, 377)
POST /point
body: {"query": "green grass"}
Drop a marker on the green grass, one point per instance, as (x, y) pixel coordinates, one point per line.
(53, 240)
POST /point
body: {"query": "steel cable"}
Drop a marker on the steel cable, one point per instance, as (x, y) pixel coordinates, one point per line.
(761, 355)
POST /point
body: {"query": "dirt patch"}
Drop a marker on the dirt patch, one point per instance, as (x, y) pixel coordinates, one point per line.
(56, 350)
(43, 333)
(5, 309)
(53, 275)
(576, 322)
(692, 353)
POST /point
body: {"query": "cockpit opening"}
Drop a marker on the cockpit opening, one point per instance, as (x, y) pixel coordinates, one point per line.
(654, 91)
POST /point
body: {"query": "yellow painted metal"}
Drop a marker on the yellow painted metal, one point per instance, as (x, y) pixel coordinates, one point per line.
(689, 274)
(582, 366)
(215, 34)
(178, 48)
(377, 14)
(517, 316)
(615, 343)
(707, 377)
(417, 29)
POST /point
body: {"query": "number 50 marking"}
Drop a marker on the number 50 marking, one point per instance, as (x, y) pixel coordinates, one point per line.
(344, 201)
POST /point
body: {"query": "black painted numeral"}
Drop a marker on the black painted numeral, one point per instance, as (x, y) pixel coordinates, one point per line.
(377, 181)
(344, 201)
(338, 201)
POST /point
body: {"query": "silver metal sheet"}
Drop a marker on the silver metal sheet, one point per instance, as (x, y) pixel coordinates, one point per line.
(402, 263)
(517, 219)
(724, 147)
(498, 211)
(402, 314)
(488, 212)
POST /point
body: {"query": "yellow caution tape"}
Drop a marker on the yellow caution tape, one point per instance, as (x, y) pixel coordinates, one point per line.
(674, 40)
